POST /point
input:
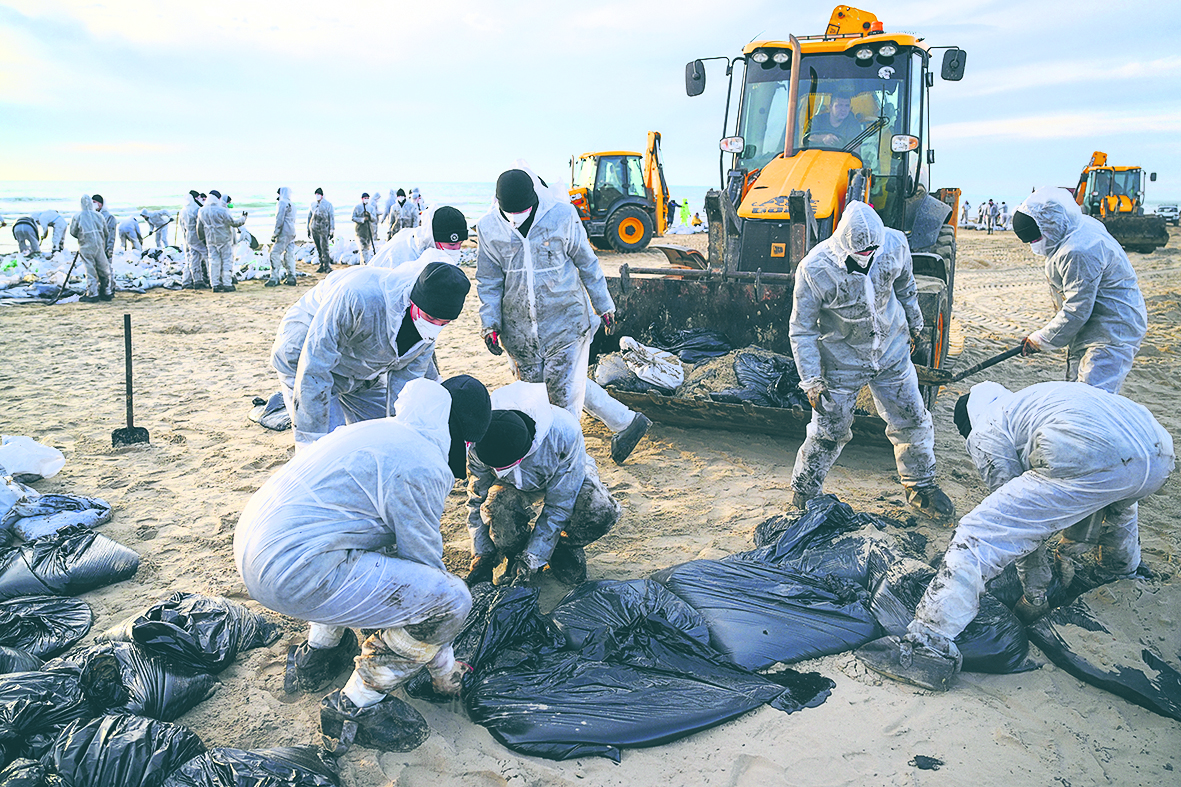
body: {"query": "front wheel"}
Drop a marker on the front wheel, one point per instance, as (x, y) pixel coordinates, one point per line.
(629, 229)
(602, 244)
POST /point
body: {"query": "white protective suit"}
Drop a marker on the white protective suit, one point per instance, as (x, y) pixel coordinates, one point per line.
(347, 535)
(158, 220)
(1052, 454)
(90, 229)
(129, 232)
(218, 226)
(557, 467)
(282, 259)
(408, 215)
(321, 227)
(25, 231)
(336, 351)
(541, 295)
(853, 329)
(112, 230)
(391, 207)
(1101, 317)
(196, 252)
(410, 244)
(51, 218)
(365, 224)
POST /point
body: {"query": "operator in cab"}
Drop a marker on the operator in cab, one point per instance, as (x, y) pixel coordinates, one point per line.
(837, 126)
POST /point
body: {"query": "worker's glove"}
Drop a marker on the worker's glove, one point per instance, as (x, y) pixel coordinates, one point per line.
(1028, 347)
(492, 342)
(522, 575)
(818, 397)
(609, 323)
(274, 239)
(915, 335)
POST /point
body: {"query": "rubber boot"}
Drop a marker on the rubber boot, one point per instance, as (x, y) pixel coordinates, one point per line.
(1029, 611)
(311, 669)
(389, 725)
(930, 501)
(909, 662)
(626, 441)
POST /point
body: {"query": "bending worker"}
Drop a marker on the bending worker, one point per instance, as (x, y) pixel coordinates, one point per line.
(346, 535)
(443, 228)
(1101, 317)
(540, 286)
(158, 220)
(365, 219)
(195, 276)
(24, 230)
(129, 233)
(534, 450)
(217, 226)
(346, 348)
(51, 218)
(854, 314)
(90, 229)
(1053, 455)
(282, 260)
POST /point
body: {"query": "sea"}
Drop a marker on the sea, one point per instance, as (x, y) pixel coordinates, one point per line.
(258, 199)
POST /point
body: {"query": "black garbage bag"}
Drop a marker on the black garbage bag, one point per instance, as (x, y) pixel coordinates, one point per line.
(288, 766)
(43, 626)
(860, 557)
(597, 609)
(28, 773)
(643, 686)
(759, 614)
(271, 413)
(73, 560)
(37, 514)
(121, 749)
(766, 381)
(995, 641)
(15, 660)
(1107, 638)
(692, 345)
(34, 707)
(195, 632)
(120, 676)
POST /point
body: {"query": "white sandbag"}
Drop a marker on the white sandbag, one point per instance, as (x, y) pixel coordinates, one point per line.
(660, 368)
(24, 456)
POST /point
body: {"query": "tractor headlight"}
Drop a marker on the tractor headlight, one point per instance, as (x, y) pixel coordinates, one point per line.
(760, 56)
(864, 53)
(888, 50)
(781, 57)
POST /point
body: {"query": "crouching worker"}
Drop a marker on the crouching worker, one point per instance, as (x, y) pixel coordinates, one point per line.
(1056, 457)
(346, 536)
(534, 450)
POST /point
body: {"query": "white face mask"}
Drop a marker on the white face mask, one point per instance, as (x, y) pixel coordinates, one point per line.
(1038, 247)
(319, 197)
(401, 200)
(97, 205)
(517, 219)
(426, 329)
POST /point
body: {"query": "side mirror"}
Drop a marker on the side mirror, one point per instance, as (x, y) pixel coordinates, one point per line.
(694, 78)
(954, 60)
(732, 144)
(1152, 176)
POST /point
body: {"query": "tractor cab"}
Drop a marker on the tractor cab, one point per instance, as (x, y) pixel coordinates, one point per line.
(617, 195)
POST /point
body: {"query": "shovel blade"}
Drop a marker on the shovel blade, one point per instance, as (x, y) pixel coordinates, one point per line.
(129, 435)
(929, 376)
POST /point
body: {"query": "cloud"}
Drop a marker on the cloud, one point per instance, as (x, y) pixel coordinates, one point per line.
(120, 148)
(1064, 125)
(1038, 76)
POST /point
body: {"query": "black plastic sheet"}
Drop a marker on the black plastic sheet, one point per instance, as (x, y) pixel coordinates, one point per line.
(271, 413)
(28, 773)
(995, 641)
(759, 614)
(34, 706)
(289, 766)
(73, 560)
(121, 749)
(37, 514)
(120, 676)
(1085, 641)
(15, 660)
(597, 609)
(692, 345)
(200, 633)
(645, 685)
(43, 626)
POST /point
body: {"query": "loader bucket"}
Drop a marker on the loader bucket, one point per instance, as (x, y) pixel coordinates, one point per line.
(1142, 234)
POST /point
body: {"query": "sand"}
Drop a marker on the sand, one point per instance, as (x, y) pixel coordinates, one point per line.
(201, 357)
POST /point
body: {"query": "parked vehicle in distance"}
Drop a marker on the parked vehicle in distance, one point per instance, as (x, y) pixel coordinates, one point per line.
(1170, 213)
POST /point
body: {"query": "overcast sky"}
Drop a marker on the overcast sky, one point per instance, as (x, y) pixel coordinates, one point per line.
(454, 90)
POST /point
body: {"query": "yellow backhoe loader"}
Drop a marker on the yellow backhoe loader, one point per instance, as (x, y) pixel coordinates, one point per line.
(821, 120)
(1115, 196)
(621, 196)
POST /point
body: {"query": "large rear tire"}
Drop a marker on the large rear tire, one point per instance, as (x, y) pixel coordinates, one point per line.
(602, 244)
(629, 229)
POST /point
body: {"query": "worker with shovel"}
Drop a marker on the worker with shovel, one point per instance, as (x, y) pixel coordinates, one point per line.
(1101, 317)
(158, 220)
(854, 314)
(365, 219)
(90, 229)
(1057, 457)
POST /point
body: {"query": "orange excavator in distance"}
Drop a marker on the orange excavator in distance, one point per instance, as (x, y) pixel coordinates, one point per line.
(1115, 196)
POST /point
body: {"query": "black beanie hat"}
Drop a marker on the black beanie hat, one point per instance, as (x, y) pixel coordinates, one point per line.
(471, 411)
(320, 192)
(962, 421)
(509, 437)
(440, 290)
(364, 195)
(215, 193)
(97, 198)
(1025, 227)
(514, 191)
(194, 193)
(448, 225)
(401, 193)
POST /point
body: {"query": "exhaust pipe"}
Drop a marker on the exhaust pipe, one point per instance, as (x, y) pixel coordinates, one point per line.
(793, 98)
